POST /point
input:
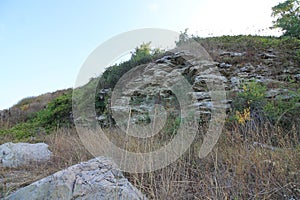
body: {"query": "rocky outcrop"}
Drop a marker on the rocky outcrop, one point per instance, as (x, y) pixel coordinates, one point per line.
(20, 154)
(141, 89)
(95, 179)
(150, 83)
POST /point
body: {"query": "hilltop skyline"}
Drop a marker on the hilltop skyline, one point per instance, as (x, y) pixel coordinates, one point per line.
(44, 44)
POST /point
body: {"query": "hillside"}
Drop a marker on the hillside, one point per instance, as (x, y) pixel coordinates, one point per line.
(27, 107)
(256, 156)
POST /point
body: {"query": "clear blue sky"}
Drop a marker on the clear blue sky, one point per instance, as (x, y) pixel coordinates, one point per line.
(44, 43)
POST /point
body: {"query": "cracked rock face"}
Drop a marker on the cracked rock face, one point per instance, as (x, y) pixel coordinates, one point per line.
(153, 80)
(95, 179)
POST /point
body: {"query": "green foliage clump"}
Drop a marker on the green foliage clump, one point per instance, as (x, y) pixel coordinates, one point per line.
(288, 17)
(56, 114)
(20, 131)
(142, 55)
(252, 104)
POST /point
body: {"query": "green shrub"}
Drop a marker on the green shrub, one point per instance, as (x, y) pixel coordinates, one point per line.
(142, 55)
(20, 131)
(251, 99)
(282, 110)
(57, 113)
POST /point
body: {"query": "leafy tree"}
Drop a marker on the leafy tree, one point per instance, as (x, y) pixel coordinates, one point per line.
(288, 17)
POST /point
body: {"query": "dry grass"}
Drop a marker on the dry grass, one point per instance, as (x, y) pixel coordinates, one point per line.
(243, 165)
(238, 168)
(67, 148)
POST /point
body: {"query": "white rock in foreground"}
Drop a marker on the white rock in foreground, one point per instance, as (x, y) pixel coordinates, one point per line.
(96, 179)
(19, 154)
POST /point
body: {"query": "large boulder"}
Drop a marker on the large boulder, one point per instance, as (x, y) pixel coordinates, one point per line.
(98, 178)
(19, 154)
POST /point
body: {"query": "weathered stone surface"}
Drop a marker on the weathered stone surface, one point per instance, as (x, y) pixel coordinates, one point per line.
(247, 68)
(225, 65)
(267, 55)
(19, 154)
(95, 179)
(235, 81)
(201, 95)
(232, 54)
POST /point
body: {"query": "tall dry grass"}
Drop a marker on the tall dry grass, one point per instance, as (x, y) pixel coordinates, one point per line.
(243, 165)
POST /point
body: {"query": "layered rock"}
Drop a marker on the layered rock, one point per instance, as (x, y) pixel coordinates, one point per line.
(141, 89)
(150, 84)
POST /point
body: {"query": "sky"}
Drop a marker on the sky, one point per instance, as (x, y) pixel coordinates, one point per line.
(43, 44)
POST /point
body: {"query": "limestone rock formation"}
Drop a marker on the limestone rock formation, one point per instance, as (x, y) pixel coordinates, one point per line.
(95, 179)
(149, 84)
